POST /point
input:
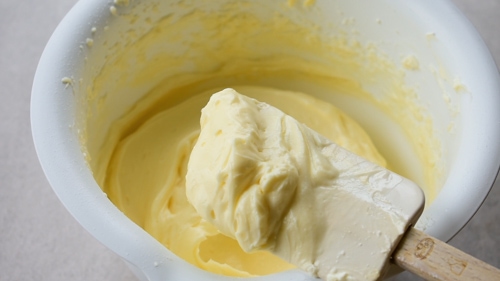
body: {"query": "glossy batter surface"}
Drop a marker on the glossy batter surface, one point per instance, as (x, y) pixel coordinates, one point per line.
(146, 177)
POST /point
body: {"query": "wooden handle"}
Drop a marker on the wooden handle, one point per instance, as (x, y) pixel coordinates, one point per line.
(435, 260)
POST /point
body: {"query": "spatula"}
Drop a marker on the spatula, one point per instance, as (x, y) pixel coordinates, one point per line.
(274, 184)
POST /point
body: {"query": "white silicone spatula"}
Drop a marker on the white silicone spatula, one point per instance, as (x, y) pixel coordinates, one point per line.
(273, 184)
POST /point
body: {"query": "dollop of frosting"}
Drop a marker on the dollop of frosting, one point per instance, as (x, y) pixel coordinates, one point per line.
(249, 160)
(272, 183)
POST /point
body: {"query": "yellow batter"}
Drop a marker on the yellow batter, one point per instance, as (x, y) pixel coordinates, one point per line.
(144, 108)
(146, 177)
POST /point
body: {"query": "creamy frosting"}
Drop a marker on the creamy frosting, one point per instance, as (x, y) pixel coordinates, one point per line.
(144, 104)
(274, 184)
(146, 177)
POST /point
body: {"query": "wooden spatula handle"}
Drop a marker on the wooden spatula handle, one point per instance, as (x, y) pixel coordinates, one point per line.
(433, 259)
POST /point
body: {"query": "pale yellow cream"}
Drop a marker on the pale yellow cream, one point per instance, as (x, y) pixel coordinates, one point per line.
(143, 106)
(273, 184)
(146, 177)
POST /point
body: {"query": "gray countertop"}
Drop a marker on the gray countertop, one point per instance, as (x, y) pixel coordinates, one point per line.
(39, 240)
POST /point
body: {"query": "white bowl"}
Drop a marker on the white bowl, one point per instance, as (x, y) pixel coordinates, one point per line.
(471, 154)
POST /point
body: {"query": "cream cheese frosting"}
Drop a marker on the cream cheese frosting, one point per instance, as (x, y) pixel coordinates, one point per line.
(142, 118)
(146, 177)
(272, 183)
